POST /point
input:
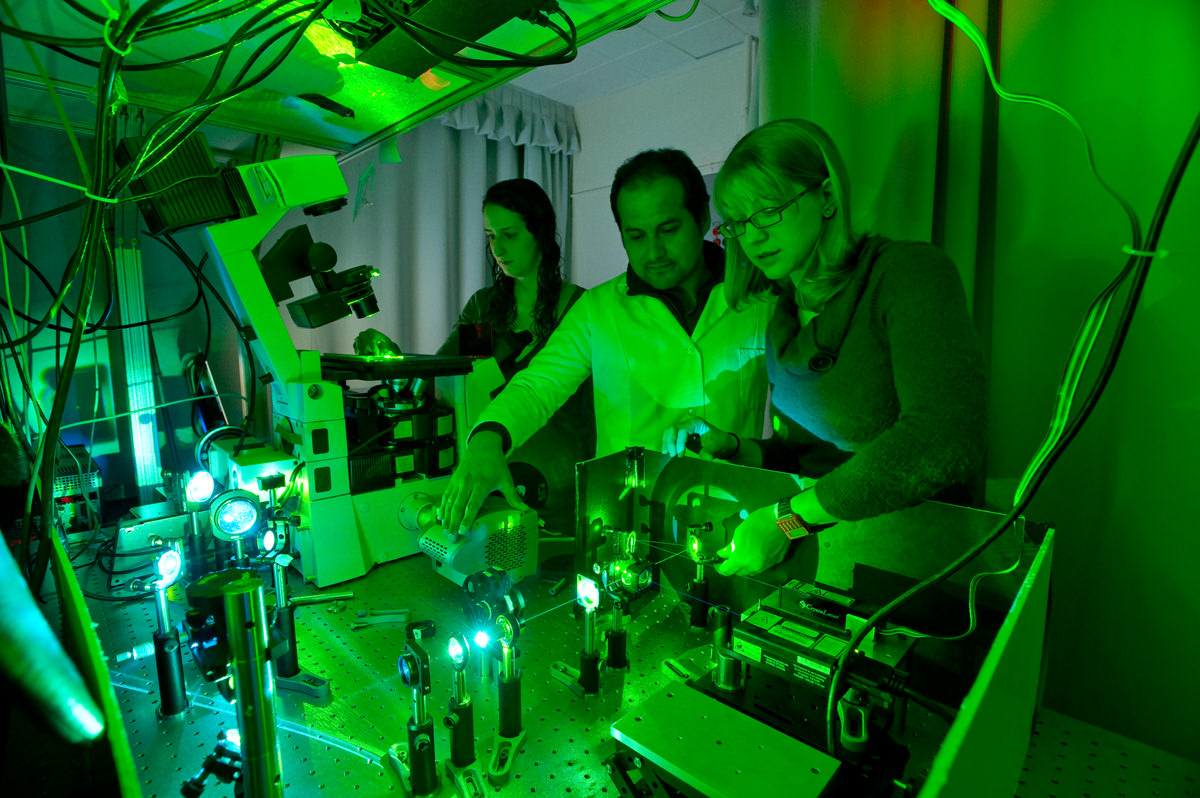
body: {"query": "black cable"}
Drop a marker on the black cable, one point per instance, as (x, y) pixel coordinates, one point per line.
(253, 376)
(12, 413)
(7, 402)
(134, 26)
(124, 176)
(73, 268)
(228, 49)
(197, 113)
(91, 328)
(24, 380)
(196, 380)
(206, 441)
(158, 192)
(170, 21)
(87, 262)
(37, 217)
(943, 711)
(97, 326)
(1140, 265)
(173, 21)
(86, 12)
(171, 62)
(39, 38)
(507, 58)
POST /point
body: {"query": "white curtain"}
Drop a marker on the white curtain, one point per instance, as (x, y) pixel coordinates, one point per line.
(415, 212)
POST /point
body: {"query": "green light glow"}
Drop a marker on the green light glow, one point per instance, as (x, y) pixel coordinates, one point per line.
(482, 639)
(329, 42)
(587, 591)
(456, 650)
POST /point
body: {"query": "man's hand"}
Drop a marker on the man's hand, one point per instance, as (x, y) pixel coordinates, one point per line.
(483, 469)
(374, 343)
(713, 442)
(757, 545)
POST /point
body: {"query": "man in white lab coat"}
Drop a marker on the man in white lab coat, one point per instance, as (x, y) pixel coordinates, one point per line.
(660, 341)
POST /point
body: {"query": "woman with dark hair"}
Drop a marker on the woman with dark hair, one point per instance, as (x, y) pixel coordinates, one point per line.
(877, 377)
(511, 320)
(527, 296)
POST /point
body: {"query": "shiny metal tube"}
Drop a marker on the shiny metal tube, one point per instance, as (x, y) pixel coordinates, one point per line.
(254, 686)
(164, 613)
(459, 687)
(589, 632)
(279, 572)
(508, 662)
(420, 715)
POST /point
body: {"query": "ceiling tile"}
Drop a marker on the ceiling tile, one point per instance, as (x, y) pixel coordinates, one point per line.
(747, 25)
(622, 42)
(596, 83)
(707, 38)
(724, 7)
(588, 59)
(665, 29)
(538, 79)
(657, 60)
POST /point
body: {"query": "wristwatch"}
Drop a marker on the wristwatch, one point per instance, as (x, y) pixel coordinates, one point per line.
(791, 524)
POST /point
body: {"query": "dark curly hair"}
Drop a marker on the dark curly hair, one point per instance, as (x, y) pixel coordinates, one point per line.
(526, 198)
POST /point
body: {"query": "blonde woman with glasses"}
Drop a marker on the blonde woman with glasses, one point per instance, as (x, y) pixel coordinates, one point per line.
(877, 375)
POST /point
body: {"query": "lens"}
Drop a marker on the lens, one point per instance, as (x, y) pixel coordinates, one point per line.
(588, 592)
(457, 652)
(237, 516)
(364, 306)
(269, 540)
(482, 639)
(507, 627)
(410, 669)
(200, 487)
(169, 565)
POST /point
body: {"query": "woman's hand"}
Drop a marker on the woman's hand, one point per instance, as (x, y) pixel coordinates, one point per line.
(713, 442)
(757, 545)
(372, 342)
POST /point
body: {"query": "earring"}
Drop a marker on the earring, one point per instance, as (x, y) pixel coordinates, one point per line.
(828, 212)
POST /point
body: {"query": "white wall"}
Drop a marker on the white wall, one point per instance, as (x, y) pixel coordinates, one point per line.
(700, 109)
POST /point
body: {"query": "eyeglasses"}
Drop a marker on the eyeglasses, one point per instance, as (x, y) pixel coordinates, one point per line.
(761, 219)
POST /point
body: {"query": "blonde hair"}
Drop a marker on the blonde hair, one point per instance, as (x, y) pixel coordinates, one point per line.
(769, 162)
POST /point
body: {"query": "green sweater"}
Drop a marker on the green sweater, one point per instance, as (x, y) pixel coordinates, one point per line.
(901, 415)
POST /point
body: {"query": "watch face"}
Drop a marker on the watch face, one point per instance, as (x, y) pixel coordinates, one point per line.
(792, 526)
